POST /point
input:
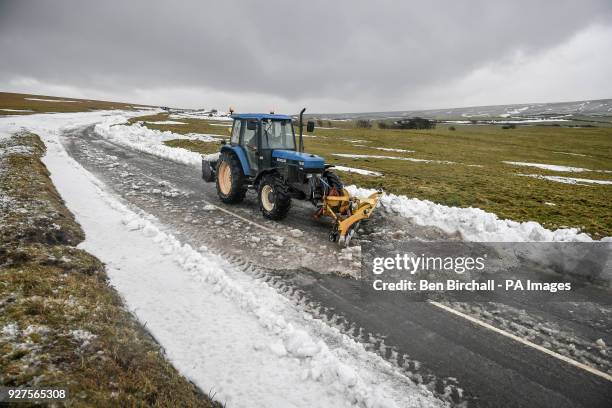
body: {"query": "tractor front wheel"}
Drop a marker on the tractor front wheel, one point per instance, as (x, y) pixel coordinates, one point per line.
(274, 199)
(231, 187)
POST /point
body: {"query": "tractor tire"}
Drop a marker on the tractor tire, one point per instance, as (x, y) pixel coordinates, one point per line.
(333, 180)
(231, 186)
(274, 198)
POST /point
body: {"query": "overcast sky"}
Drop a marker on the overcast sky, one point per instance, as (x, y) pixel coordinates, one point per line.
(331, 56)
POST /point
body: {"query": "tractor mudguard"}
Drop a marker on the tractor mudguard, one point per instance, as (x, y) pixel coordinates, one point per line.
(239, 151)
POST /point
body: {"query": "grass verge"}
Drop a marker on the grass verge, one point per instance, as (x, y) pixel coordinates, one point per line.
(61, 324)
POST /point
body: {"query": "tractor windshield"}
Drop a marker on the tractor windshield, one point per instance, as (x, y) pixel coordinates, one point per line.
(277, 134)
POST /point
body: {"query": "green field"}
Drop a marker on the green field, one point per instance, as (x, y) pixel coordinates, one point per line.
(478, 177)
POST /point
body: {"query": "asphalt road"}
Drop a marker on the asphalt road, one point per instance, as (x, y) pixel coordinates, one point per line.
(465, 363)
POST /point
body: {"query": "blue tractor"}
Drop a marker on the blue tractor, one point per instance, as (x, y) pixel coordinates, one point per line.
(264, 155)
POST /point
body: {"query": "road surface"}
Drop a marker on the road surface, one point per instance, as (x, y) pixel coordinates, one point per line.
(463, 362)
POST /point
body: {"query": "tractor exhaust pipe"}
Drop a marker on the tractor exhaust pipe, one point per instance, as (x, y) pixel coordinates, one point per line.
(302, 130)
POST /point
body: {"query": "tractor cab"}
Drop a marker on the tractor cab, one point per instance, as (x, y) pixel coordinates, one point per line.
(265, 142)
(260, 134)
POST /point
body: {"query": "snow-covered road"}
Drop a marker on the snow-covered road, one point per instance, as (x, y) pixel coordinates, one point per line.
(229, 333)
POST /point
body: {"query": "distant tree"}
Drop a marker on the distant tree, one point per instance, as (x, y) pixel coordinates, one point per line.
(319, 123)
(451, 128)
(329, 124)
(509, 126)
(363, 124)
(383, 125)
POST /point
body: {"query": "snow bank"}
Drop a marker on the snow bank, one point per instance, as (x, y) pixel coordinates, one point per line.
(473, 224)
(150, 141)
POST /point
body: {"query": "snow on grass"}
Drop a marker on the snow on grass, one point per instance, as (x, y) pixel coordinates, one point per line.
(16, 110)
(50, 100)
(82, 336)
(389, 149)
(567, 180)
(206, 115)
(166, 122)
(222, 328)
(573, 154)
(145, 107)
(473, 224)
(358, 171)
(555, 167)
(373, 156)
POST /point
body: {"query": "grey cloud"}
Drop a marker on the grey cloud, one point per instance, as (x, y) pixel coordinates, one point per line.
(375, 51)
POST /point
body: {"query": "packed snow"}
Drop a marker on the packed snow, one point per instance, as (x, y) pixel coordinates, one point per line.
(358, 171)
(568, 180)
(229, 333)
(473, 224)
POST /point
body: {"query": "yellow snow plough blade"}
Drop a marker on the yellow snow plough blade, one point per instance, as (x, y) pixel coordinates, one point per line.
(347, 212)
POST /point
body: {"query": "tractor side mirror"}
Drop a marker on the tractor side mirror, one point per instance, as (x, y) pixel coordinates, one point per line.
(310, 126)
(251, 125)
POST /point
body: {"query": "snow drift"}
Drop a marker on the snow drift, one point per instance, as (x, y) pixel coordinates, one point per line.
(473, 224)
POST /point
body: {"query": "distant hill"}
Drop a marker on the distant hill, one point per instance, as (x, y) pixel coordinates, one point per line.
(562, 111)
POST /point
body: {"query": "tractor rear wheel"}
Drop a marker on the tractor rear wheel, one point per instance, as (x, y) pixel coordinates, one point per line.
(231, 186)
(274, 198)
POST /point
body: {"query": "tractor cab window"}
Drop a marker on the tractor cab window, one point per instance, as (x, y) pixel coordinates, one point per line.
(249, 138)
(277, 134)
(235, 139)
